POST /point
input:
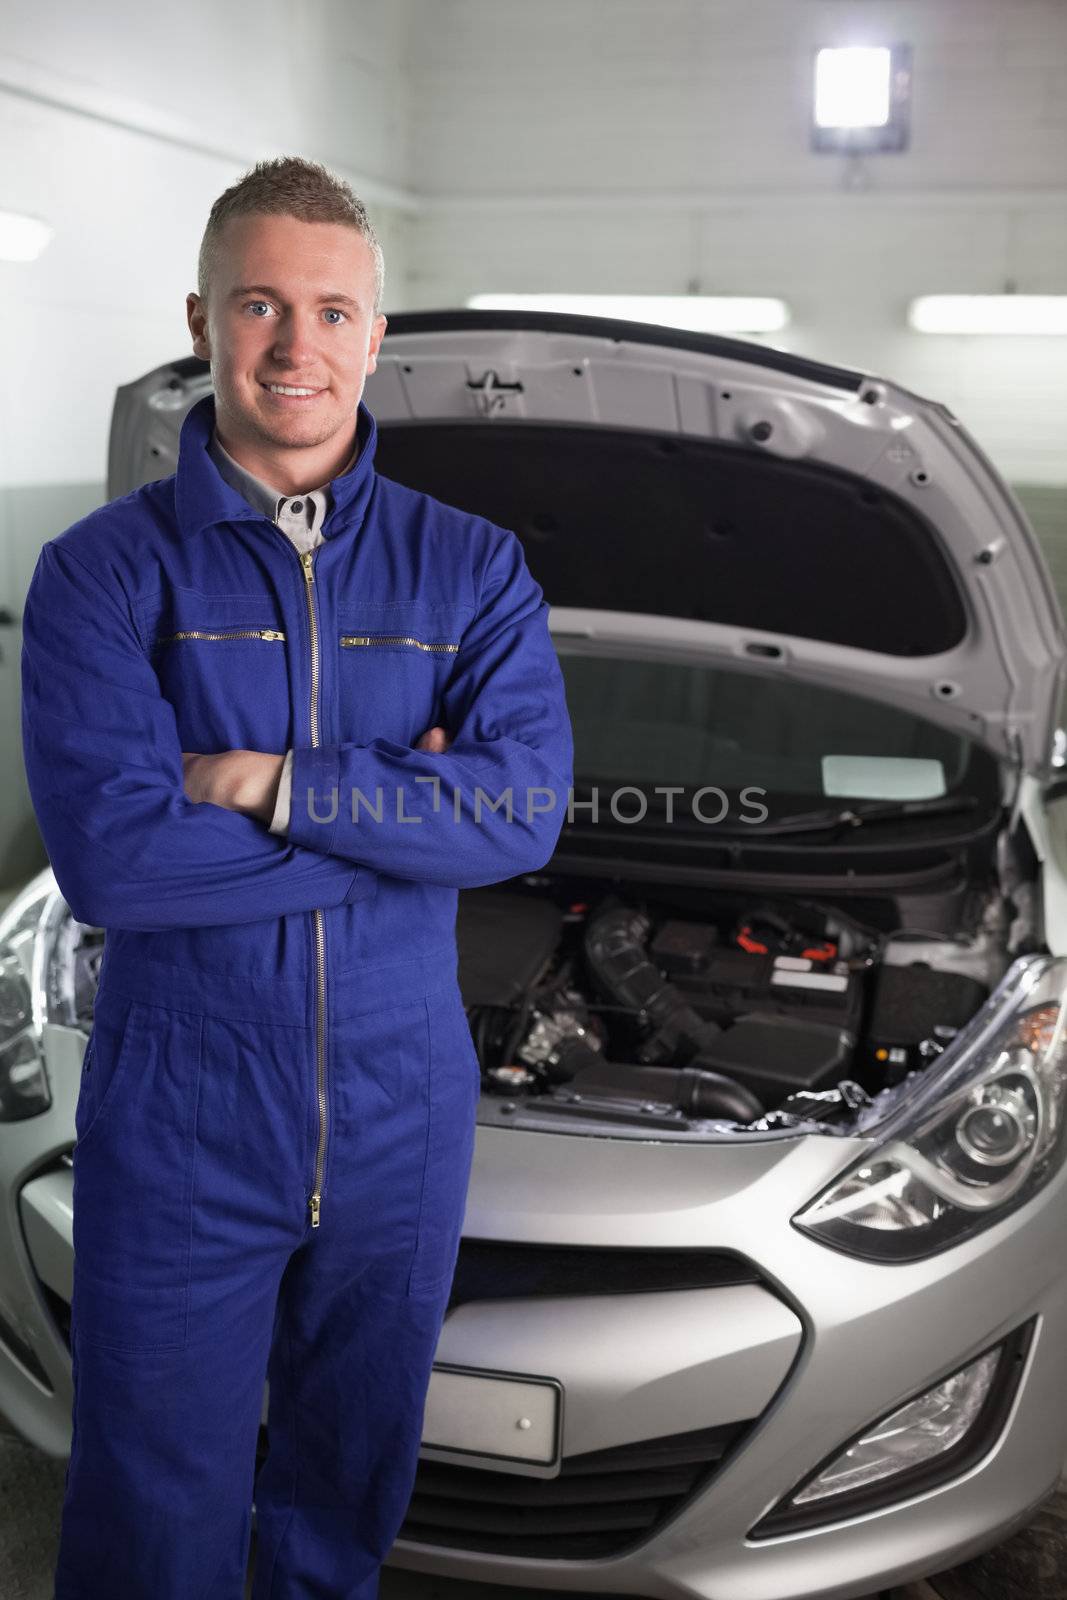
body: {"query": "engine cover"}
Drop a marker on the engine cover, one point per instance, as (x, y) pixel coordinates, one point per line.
(505, 943)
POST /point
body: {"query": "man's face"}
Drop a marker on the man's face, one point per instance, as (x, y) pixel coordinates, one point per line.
(290, 304)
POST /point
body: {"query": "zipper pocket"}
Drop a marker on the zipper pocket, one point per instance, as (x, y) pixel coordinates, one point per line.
(228, 633)
(350, 639)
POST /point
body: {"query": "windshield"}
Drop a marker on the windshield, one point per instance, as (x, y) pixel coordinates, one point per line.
(766, 741)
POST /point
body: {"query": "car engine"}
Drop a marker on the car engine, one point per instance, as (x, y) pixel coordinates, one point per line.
(756, 1013)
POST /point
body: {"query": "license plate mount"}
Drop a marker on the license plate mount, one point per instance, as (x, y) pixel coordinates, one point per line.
(503, 1416)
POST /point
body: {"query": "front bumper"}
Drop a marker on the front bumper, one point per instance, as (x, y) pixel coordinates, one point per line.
(799, 1363)
(720, 1398)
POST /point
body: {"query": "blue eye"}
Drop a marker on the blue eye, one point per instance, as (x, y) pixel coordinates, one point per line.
(253, 303)
(333, 312)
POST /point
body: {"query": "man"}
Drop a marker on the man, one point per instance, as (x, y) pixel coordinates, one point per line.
(277, 711)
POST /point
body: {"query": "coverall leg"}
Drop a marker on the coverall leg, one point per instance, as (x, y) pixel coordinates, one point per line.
(208, 1278)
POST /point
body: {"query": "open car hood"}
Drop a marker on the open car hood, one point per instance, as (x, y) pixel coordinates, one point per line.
(716, 497)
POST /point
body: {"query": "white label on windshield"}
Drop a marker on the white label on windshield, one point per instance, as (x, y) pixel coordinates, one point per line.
(883, 777)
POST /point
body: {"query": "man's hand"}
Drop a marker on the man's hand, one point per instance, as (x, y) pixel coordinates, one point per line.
(237, 780)
(247, 780)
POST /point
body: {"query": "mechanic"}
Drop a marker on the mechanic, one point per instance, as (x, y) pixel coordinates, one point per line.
(277, 711)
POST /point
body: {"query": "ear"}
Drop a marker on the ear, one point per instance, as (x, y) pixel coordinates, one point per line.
(196, 316)
(377, 334)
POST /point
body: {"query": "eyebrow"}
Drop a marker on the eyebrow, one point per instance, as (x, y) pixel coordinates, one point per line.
(264, 288)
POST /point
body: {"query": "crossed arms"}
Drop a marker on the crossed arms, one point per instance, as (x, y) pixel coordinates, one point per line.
(131, 845)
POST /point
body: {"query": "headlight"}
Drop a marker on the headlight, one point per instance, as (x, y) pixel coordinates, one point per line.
(48, 973)
(24, 1087)
(981, 1136)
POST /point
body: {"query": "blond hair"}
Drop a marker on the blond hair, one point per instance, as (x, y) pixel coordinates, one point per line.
(292, 187)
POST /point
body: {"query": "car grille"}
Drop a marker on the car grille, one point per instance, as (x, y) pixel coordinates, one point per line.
(601, 1504)
(489, 1269)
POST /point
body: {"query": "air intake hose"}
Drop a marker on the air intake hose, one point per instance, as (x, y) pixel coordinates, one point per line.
(615, 950)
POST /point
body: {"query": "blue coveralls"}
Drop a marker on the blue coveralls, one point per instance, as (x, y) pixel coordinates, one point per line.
(276, 1116)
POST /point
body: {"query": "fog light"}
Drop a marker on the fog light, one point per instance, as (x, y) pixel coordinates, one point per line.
(928, 1440)
(907, 1438)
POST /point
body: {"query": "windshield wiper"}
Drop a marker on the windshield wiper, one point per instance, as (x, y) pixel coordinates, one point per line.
(855, 816)
(826, 819)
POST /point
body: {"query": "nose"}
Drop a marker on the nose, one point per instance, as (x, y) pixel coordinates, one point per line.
(294, 344)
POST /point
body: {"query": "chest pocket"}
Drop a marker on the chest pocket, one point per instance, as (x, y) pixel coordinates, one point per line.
(393, 661)
(223, 663)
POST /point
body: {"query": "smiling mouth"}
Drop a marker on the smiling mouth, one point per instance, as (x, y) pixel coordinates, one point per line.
(289, 391)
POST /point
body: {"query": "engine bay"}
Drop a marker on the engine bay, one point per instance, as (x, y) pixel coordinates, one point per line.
(622, 1008)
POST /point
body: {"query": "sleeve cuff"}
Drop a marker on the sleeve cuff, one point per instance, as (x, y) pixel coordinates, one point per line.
(315, 798)
(279, 822)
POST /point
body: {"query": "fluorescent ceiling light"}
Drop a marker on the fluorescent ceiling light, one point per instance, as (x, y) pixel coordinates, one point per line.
(989, 313)
(852, 87)
(699, 312)
(22, 238)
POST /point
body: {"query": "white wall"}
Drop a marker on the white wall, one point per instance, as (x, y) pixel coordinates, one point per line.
(662, 146)
(120, 124)
(128, 123)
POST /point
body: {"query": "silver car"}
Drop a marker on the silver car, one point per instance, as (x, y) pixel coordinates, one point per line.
(762, 1292)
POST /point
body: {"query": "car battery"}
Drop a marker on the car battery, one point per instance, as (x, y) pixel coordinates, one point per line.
(732, 982)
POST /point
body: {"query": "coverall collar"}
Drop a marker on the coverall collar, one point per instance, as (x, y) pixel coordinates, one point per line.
(202, 497)
(313, 503)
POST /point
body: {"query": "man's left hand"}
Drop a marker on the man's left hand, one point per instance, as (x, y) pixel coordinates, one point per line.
(237, 780)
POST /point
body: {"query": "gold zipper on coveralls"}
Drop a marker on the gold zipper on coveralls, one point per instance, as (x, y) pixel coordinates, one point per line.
(307, 561)
(230, 633)
(394, 638)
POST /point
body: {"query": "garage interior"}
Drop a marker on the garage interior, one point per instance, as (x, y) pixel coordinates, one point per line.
(659, 160)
